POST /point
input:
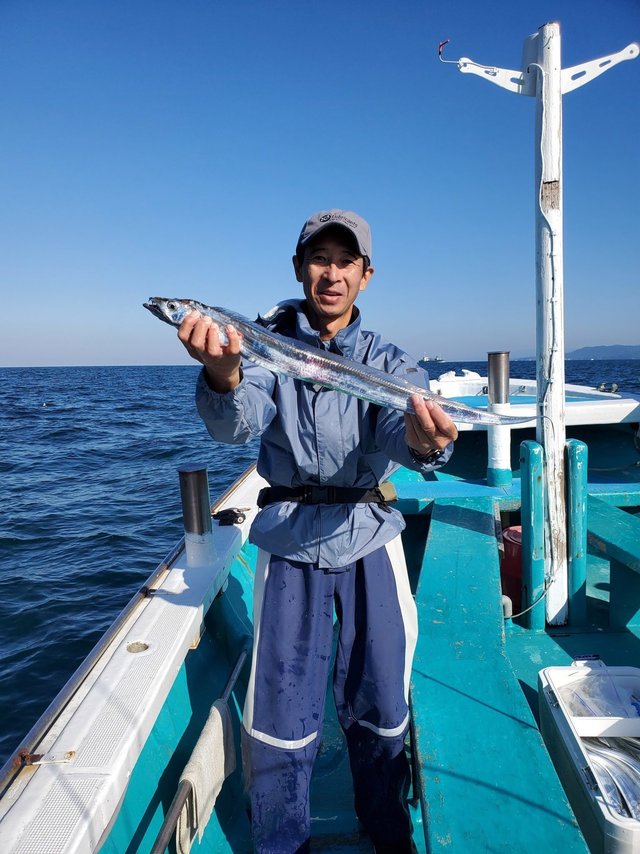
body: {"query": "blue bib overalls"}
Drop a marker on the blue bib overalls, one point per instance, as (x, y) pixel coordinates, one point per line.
(293, 623)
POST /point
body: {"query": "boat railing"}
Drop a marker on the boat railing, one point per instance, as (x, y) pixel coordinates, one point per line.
(614, 534)
(592, 523)
(195, 515)
(102, 672)
(25, 753)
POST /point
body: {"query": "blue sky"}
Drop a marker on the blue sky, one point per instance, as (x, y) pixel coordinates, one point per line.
(174, 147)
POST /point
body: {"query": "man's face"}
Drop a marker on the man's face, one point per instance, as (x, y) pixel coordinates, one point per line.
(332, 276)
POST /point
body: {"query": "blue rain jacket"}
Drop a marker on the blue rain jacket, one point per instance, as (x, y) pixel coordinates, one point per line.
(313, 436)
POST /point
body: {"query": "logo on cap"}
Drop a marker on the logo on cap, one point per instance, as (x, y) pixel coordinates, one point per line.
(337, 218)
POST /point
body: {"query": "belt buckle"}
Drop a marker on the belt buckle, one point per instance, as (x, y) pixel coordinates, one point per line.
(319, 495)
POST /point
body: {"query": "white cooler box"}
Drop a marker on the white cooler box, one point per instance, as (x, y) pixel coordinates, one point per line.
(590, 700)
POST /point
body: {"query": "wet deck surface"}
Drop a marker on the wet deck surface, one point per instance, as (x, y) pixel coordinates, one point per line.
(479, 750)
(334, 826)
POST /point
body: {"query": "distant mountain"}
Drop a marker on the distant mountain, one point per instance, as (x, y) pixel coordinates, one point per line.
(611, 351)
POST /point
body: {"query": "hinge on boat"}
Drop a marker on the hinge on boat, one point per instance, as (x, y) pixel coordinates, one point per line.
(553, 700)
(47, 758)
(592, 783)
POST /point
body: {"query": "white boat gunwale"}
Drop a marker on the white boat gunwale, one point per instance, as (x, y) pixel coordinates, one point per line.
(595, 407)
(79, 714)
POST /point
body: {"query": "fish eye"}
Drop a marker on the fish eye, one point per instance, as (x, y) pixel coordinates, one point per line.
(172, 306)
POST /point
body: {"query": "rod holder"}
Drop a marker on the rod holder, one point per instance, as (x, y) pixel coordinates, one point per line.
(194, 494)
(498, 377)
(498, 436)
(196, 514)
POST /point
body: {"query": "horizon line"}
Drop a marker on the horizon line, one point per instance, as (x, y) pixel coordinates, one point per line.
(196, 365)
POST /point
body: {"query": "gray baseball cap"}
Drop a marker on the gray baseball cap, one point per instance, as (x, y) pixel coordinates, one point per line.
(349, 220)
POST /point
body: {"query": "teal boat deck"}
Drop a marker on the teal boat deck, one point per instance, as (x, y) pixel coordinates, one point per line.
(483, 779)
(487, 781)
(479, 750)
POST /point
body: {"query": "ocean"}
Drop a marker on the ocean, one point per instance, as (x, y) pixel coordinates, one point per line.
(91, 504)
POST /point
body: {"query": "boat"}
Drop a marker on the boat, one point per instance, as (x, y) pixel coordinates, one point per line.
(140, 751)
(426, 358)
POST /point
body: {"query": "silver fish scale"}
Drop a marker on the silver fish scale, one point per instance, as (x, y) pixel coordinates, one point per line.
(318, 367)
(303, 362)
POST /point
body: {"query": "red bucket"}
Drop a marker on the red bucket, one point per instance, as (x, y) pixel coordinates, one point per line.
(511, 568)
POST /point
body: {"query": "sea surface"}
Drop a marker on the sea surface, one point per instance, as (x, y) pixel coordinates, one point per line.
(90, 505)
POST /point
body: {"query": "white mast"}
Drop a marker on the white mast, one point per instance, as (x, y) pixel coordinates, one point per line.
(542, 76)
(550, 421)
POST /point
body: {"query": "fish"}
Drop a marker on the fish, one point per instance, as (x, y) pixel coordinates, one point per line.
(301, 361)
(608, 787)
(623, 769)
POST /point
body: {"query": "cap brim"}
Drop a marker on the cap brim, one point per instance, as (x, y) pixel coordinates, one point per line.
(342, 227)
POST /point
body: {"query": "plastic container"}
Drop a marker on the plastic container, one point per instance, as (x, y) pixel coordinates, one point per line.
(565, 721)
(511, 567)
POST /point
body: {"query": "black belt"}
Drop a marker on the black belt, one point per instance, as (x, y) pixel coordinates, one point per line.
(327, 495)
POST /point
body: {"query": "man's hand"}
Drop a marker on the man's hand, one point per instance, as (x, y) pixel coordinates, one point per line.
(430, 428)
(199, 334)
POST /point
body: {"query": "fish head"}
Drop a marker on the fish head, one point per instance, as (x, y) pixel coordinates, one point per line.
(172, 311)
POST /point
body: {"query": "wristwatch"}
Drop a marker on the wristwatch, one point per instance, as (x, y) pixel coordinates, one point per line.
(430, 458)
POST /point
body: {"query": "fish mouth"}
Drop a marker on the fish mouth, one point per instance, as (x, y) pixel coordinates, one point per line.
(155, 309)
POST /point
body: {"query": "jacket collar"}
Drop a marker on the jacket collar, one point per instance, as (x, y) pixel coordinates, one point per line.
(288, 318)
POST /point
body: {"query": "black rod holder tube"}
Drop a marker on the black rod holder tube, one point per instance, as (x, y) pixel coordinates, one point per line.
(194, 493)
(498, 377)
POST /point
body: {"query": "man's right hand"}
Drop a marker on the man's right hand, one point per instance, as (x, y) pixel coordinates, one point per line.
(199, 334)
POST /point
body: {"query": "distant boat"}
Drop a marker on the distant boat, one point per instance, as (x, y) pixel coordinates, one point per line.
(426, 358)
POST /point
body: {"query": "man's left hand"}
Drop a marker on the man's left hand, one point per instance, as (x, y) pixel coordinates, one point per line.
(430, 428)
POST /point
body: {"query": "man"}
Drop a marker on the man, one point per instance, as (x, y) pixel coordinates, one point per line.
(327, 539)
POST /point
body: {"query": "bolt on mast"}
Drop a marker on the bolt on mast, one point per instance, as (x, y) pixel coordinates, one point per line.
(543, 77)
